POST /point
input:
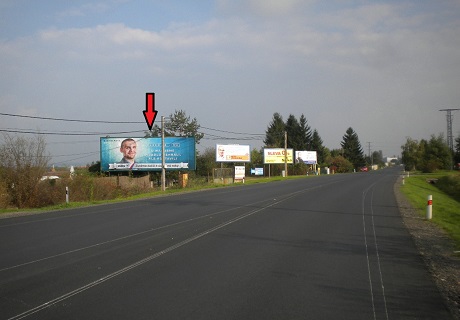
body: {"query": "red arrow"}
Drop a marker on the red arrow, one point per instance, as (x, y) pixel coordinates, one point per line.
(150, 114)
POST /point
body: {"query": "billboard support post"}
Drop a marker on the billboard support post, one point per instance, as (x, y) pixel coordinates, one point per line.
(163, 173)
(285, 154)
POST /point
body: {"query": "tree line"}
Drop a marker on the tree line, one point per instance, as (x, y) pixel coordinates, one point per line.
(301, 137)
(24, 160)
(430, 155)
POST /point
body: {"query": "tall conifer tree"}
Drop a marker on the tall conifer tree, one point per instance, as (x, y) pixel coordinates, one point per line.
(274, 136)
(352, 150)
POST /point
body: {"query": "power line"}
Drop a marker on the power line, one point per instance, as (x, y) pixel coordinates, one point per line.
(69, 134)
(254, 134)
(207, 136)
(113, 122)
(68, 120)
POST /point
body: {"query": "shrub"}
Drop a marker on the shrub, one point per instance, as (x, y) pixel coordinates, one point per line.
(450, 185)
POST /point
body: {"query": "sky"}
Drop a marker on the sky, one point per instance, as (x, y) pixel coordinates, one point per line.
(383, 68)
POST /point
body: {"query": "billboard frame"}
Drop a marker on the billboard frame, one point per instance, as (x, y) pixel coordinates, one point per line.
(180, 154)
(233, 153)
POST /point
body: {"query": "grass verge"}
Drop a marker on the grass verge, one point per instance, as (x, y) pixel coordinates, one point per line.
(445, 210)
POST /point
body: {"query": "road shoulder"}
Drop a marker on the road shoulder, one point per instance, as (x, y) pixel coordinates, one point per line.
(436, 249)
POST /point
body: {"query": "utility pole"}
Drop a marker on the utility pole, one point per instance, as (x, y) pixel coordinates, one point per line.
(163, 172)
(285, 154)
(450, 136)
(369, 146)
(371, 158)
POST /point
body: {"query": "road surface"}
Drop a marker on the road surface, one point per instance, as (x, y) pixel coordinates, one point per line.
(328, 247)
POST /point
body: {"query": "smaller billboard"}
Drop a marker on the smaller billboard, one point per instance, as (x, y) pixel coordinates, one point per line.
(307, 157)
(277, 155)
(233, 153)
(240, 172)
(257, 171)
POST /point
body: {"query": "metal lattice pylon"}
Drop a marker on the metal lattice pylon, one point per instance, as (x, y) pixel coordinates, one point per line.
(450, 136)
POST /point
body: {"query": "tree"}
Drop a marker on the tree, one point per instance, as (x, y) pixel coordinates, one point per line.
(305, 132)
(411, 154)
(257, 158)
(427, 156)
(352, 150)
(178, 124)
(23, 162)
(377, 158)
(457, 150)
(295, 138)
(317, 145)
(206, 161)
(274, 136)
(95, 167)
(436, 155)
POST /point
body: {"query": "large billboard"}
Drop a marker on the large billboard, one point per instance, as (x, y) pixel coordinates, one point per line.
(233, 153)
(307, 157)
(277, 155)
(144, 154)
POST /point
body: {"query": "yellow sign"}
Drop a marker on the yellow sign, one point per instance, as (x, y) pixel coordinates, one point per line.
(277, 156)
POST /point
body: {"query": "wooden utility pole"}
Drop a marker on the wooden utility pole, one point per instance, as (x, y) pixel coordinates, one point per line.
(285, 154)
(163, 169)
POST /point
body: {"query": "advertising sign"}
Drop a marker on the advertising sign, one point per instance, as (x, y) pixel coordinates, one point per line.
(307, 157)
(276, 155)
(232, 153)
(257, 171)
(240, 172)
(144, 154)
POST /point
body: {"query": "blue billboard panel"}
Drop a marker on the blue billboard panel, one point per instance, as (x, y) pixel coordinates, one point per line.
(144, 154)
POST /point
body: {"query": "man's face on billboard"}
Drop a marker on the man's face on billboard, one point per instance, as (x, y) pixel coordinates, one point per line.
(128, 148)
(221, 152)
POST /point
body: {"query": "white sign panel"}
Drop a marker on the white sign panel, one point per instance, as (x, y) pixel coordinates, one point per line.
(307, 157)
(233, 153)
(240, 172)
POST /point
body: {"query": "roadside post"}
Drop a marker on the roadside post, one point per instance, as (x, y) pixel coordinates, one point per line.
(429, 207)
(67, 195)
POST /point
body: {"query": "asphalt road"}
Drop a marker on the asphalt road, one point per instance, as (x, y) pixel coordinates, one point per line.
(329, 247)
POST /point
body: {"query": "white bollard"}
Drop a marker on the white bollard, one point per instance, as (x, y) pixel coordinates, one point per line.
(402, 180)
(67, 195)
(429, 207)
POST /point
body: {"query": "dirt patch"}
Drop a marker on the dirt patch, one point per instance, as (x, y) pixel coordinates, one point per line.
(437, 250)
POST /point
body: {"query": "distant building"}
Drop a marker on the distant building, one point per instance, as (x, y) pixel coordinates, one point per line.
(391, 161)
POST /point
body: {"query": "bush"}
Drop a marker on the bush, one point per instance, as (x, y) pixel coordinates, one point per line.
(450, 185)
(4, 197)
(300, 169)
(23, 161)
(341, 165)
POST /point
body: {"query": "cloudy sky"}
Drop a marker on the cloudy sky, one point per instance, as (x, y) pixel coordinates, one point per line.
(384, 68)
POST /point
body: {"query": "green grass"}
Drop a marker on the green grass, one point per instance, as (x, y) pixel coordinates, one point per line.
(445, 210)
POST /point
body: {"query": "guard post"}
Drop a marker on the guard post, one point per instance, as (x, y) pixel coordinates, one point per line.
(429, 207)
